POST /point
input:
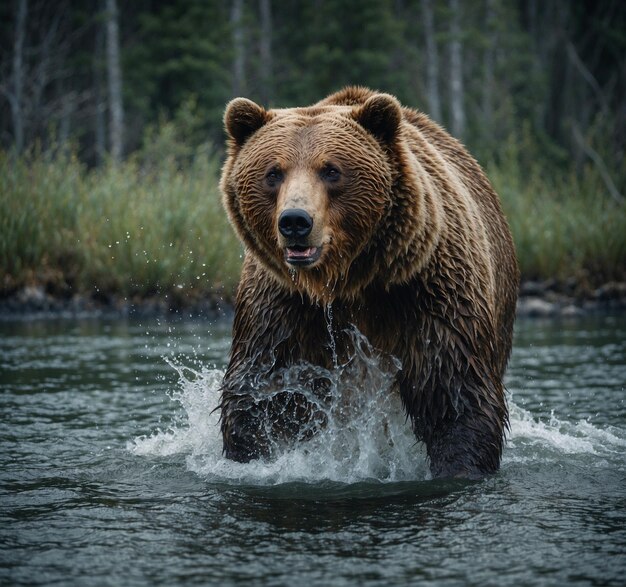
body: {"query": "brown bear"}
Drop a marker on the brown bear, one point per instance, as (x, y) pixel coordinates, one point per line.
(369, 206)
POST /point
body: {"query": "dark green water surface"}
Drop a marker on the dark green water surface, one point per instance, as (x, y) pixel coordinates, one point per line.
(111, 470)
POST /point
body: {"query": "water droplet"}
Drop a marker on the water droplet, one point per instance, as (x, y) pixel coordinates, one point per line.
(328, 313)
(365, 436)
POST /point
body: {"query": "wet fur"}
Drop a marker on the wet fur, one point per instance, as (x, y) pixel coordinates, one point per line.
(420, 260)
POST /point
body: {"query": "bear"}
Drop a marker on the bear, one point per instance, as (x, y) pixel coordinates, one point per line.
(369, 206)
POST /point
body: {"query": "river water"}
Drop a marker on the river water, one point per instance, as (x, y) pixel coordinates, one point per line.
(111, 470)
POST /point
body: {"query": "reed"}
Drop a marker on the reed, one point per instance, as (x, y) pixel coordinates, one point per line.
(565, 228)
(155, 225)
(126, 230)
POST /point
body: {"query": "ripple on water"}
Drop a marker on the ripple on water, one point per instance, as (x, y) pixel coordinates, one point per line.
(352, 507)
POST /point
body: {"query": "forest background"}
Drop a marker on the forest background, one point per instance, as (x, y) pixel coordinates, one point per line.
(111, 134)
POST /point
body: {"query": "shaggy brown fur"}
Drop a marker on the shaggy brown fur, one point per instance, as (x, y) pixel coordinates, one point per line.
(408, 242)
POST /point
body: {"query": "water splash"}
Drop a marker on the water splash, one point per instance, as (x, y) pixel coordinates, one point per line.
(328, 314)
(534, 440)
(367, 436)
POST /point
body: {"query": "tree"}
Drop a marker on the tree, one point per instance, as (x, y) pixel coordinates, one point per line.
(265, 50)
(99, 97)
(179, 52)
(15, 97)
(553, 70)
(432, 61)
(239, 49)
(488, 64)
(455, 48)
(39, 79)
(114, 71)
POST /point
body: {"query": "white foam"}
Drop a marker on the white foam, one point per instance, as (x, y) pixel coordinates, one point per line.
(534, 439)
(196, 428)
(371, 440)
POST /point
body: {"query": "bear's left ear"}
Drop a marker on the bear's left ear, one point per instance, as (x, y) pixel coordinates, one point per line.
(381, 116)
(243, 118)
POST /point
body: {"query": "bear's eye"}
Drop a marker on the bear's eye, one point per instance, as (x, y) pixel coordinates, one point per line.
(273, 177)
(330, 173)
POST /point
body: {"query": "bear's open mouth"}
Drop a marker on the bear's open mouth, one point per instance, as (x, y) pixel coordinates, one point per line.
(300, 255)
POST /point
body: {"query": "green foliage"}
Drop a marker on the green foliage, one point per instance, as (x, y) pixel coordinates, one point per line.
(37, 211)
(564, 224)
(180, 53)
(338, 43)
(125, 229)
(155, 224)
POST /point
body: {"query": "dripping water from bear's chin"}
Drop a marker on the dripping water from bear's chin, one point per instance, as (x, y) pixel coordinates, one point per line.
(328, 315)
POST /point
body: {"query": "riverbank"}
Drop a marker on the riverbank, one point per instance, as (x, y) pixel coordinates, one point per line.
(537, 300)
(34, 301)
(550, 299)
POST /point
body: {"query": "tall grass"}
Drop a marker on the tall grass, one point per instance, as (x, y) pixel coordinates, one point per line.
(565, 224)
(154, 225)
(132, 229)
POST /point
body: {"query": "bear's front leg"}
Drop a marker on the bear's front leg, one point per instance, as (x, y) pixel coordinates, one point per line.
(272, 331)
(242, 425)
(252, 427)
(468, 446)
(457, 406)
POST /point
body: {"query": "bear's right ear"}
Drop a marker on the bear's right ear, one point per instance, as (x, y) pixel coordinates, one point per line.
(242, 118)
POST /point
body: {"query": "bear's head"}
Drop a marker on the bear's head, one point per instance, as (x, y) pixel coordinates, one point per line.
(308, 189)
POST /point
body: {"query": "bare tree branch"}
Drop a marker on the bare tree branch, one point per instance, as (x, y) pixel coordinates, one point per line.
(595, 157)
(587, 75)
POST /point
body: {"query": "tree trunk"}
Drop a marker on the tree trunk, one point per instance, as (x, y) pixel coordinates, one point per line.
(488, 66)
(265, 49)
(99, 98)
(457, 110)
(432, 61)
(116, 106)
(236, 21)
(16, 100)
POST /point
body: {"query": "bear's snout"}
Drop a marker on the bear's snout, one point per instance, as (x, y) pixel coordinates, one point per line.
(295, 224)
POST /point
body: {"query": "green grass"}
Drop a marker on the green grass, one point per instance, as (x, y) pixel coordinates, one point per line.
(564, 227)
(155, 226)
(126, 230)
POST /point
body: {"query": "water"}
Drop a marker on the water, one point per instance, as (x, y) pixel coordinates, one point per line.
(111, 470)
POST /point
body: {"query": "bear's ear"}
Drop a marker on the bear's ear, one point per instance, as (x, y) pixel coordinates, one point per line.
(242, 118)
(381, 116)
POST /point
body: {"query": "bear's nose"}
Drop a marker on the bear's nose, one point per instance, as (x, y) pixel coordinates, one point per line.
(295, 223)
